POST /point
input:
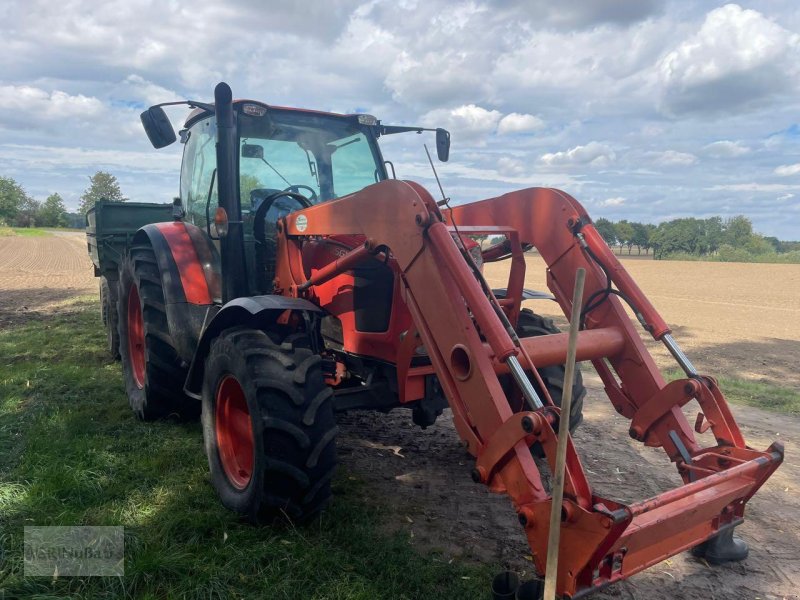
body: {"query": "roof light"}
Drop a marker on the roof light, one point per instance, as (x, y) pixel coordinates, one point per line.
(254, 110)
(367, 120)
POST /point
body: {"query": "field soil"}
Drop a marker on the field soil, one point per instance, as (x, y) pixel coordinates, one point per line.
(734, 319)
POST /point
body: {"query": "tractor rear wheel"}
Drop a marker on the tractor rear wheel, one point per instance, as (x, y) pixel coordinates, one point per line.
(108, 314)
(154, 373)
(529, 325)
(268, 425)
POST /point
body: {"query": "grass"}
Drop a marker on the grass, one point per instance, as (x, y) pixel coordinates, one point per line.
(30, 232)
(6, 231)
(71, 453)
(760, 394)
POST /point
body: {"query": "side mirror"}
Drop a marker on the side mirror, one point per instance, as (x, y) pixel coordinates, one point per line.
(443, 144)
(252, 151)
(157, 127)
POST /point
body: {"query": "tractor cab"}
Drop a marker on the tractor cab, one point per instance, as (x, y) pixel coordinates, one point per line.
(279, 160)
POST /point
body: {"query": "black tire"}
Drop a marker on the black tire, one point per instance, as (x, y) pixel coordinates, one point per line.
(154, 390)
(529, 325)
(108, 314)
(291, 420)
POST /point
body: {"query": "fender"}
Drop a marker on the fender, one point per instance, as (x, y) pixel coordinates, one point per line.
(190, 276)
(258, 312)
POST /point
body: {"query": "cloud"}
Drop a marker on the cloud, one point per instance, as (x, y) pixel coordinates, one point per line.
(467, 123)
(737, 59)
(19, 103)
(671, 158)
(593, 153)
(511, 167)
(725, 149)
(618, 201)
(754, 187)
(517, 123)
(787, 170)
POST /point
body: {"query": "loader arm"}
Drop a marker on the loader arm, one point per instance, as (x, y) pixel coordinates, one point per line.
(469, 347)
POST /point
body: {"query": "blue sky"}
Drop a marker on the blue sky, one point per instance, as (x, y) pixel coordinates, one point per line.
(642, 109)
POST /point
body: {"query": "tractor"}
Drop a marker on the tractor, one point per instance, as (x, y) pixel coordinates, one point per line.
(295, 277)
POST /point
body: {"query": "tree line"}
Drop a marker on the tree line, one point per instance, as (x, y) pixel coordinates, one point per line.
(19, 209)
(715, 238)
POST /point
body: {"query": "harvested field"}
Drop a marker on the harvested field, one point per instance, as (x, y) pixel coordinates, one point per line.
(735, 319)
(39, 273)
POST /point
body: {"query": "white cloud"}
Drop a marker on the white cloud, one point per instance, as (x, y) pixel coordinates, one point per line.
(593, 153)
(511, 167)
(754, 187)
(23, 102)
(725, 149)
(787, 170)
(671, 158)
(466, 123)
(518, 123)
(618, 201)
(738, 58)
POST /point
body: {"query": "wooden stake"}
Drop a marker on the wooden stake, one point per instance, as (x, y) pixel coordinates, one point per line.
(554, 538)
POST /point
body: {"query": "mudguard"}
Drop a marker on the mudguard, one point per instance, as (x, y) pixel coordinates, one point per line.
(258, 312)
(190, 276)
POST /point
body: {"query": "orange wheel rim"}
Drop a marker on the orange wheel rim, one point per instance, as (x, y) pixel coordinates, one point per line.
(234, 432)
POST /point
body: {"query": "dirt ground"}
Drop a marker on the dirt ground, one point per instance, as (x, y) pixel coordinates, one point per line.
(39, 273)
(740, 320)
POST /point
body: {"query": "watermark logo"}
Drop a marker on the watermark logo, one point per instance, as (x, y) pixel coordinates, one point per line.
(74, 551)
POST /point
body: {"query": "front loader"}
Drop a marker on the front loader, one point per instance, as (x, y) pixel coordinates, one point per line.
(299, 278)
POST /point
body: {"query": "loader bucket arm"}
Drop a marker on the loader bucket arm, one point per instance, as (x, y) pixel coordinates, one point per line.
(602, 540)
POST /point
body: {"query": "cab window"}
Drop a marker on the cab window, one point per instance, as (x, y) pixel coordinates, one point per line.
(198, 171)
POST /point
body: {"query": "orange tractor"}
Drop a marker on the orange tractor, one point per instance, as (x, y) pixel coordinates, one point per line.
(299, 278)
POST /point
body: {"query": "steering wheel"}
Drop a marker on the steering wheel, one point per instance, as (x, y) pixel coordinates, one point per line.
(259, 221)
(296, 189)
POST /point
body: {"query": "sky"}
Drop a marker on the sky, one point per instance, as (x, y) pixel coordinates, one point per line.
(645, 110)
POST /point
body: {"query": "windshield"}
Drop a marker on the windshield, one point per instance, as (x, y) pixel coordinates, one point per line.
(321, 157)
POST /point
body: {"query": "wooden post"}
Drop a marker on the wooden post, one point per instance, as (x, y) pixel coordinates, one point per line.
(553, 540)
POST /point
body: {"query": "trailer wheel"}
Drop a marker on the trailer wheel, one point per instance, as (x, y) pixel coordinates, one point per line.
(108, 313)
(529, 325)
(154, 373)
(268, 426)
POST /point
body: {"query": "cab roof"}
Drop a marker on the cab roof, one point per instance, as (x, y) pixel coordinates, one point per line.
(197, 113)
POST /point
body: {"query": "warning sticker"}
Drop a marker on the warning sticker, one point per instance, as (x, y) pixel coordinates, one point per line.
(301, 223)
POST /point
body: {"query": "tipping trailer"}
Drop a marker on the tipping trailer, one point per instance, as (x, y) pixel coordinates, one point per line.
(299, 277)
(109, 228)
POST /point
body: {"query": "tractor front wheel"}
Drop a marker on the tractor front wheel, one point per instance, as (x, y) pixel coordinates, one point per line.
(531, 325)
(268, 425)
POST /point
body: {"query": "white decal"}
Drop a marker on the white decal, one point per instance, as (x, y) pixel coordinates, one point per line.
(301, 223)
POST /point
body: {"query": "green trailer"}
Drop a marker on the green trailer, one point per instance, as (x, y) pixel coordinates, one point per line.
(109, 228)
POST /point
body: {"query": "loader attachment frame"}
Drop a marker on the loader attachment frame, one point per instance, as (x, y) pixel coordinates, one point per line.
(466, 334)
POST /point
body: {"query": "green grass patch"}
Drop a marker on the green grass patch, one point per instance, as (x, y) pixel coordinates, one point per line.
(6, 231)
(71, 453)
(30, 232)
(760, 394)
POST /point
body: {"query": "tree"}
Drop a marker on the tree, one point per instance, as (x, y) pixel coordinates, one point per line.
(624, 235)
(606, 230)
(641, 235)
(28, 211)
(738, 231)
(12, 198)
(53, 213)
(102, 186)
